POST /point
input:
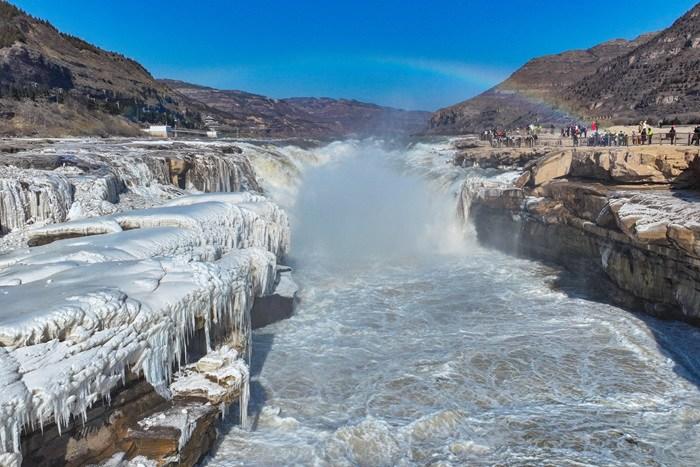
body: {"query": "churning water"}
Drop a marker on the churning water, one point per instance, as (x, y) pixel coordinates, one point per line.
(413, 345)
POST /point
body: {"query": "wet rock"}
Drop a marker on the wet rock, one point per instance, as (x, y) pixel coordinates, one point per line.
(177, 436)
(523, 179)
(219, 378)
(277, 306)
(231, 150)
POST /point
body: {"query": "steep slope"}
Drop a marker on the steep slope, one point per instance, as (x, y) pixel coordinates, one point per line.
(54, 84)
(534, 93)
(658, 79)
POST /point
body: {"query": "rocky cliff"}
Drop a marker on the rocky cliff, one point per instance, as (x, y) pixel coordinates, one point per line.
(658, 79)
(52, 83)
(624, 220)
(126, 300)
(652, 77)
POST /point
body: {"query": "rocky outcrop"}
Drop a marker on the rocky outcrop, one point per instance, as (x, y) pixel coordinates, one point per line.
(49, 183)
(636, 244)
(638, 165)
(651, 77)
(279, 304)
(116, 316)
(487, 157)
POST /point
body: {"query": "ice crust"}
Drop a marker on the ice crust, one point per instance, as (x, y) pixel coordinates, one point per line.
(74, 179)
(125, 296)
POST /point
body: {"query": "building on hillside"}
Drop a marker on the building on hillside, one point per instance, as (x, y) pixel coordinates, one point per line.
(160, 131)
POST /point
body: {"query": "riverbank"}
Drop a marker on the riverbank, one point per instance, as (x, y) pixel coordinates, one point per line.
(414, 345)
(625, 219)
(133, 275)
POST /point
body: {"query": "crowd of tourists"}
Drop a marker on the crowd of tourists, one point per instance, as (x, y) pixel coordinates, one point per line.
(643, 135)
(581, 135)
(528, 137)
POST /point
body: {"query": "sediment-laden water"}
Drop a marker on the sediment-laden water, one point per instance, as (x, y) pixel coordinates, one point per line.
(413, 345)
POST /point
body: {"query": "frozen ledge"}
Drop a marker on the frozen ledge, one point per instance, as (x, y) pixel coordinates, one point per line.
(80, 316)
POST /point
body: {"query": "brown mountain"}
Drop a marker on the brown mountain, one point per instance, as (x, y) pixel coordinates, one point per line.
(534, 93)
(53, 84)
(351, 117)
(307, 116)
(658, 79)
(245, 113)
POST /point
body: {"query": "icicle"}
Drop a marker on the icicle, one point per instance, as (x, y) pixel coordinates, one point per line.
(244, 398)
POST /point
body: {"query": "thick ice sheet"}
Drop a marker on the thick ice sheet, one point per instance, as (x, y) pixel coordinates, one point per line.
(78, 313)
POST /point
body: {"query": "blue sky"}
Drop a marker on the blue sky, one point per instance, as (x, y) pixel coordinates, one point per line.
(411, 54)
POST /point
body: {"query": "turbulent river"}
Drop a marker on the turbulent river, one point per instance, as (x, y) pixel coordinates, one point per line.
(413, 345)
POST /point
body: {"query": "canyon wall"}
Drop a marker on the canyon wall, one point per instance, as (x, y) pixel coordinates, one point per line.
(624, 220)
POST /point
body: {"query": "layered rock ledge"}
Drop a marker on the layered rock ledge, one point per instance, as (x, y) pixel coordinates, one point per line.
(626, 220)
(132, 276)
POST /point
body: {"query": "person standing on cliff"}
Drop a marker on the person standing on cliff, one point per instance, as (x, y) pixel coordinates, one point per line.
(644, 136)
(672, 134)
(650, 133)
(622, 139)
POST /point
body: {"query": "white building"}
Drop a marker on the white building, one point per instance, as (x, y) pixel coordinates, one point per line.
(160, 131)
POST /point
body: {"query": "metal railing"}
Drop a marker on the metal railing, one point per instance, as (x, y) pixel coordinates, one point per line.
(681, 139)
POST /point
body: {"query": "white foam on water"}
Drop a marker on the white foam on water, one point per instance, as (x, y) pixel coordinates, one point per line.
(401, 355)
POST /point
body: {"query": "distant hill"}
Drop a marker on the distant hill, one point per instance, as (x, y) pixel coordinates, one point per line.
(55, 84)
(534, 93)
(654, 77)
(308, 116)
(350, 117)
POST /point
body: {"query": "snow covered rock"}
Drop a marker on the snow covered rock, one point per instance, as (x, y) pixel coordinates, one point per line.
(220, 377)
(80, 315)
(179, 435)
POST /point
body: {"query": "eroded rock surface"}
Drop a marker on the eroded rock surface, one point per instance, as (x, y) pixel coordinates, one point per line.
(615, 216)
(637, 165)
(69, 180)
(83, 318)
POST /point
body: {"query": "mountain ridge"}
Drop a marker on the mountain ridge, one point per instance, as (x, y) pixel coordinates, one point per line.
(533, 93)
(653, 77)
(311, 116)
(56, 84)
